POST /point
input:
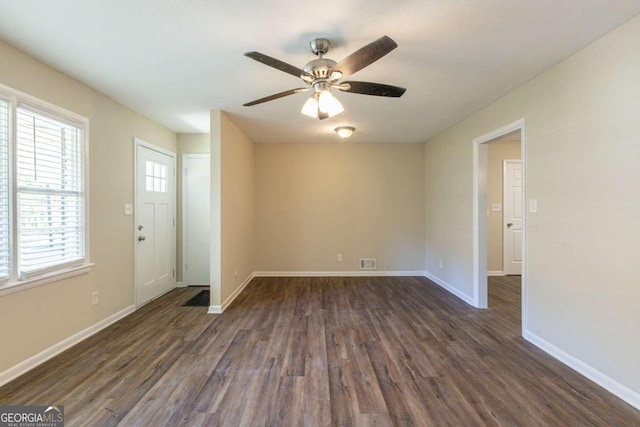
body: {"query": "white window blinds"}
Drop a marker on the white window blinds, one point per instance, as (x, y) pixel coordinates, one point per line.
(5, 227)
(50, 192)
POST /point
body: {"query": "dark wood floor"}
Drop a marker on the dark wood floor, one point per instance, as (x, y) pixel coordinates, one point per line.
(316, 352)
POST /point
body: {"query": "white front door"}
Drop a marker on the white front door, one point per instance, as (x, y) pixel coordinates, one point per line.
(154, 228)
(512, 217)
(195, 218)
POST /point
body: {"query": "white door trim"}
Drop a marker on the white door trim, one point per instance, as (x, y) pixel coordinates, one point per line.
(186, 156)
(137, 142)
(480, 297)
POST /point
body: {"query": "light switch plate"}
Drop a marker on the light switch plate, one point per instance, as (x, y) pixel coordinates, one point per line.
(496, 207)
(533, 205)
(128, 209)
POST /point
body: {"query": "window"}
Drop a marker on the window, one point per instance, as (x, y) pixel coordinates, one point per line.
(5, 226)
(50, 200)
(42, 190)
(156, 177)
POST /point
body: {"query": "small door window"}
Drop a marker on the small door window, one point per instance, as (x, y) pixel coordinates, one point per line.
(156, 177)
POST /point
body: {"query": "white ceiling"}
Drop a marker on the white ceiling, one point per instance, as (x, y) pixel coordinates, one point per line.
(174, 60)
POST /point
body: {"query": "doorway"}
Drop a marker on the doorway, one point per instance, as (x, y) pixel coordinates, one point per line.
(196, 209)
(154, 221)
(483, 208)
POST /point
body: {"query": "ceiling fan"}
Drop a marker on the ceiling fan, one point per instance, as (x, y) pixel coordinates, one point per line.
(323, 74)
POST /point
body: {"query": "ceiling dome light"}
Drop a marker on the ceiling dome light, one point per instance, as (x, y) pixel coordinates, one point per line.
(345, 132)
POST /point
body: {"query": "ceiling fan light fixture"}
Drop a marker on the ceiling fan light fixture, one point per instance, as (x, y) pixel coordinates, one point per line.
(336, 107)
(329, 104)
(345, 132)
(310, 108)
(325, 100)
(322, 74)
(335, 75)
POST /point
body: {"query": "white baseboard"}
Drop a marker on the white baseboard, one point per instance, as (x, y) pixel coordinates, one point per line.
(358, 273)
(180, 285)
(218, 309)
(464, 297)
(620, 390)
(27, 365)
(215, 309)
(235, 293)
(496, 273)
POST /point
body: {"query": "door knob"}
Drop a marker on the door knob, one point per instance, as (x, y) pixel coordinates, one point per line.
(140, 227)
(141, 238)
(509, 224)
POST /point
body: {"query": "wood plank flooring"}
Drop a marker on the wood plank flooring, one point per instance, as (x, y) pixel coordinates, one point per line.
(320, 352)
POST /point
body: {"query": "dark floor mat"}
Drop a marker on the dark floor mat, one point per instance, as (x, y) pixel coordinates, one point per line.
(200, 300)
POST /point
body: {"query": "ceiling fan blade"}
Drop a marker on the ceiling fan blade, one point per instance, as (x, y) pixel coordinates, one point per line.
(276, 96)
(365, 56)
(275, 63)
(377, 89)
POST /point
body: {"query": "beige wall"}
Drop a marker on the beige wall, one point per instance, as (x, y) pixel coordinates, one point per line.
(497, 153)
(582, 156)
(215, 222)
(36, 319)
(238, 193)
(314, 201)
(188, 143)
(232, 210)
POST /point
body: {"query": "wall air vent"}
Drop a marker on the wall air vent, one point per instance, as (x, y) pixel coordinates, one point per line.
(367, 263)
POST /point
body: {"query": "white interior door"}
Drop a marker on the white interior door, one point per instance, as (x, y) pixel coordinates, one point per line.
(155, 219)
(512, 217)
(195, 218)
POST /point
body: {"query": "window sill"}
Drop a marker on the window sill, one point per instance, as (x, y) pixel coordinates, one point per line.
(12, 288)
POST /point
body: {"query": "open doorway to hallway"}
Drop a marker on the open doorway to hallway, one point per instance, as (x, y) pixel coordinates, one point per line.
(504, 222)
(499, 215)
(504, 206)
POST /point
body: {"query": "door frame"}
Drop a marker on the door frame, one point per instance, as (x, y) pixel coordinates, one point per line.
(480, 289)
(137, 142)
(505, 162)
(184, 221)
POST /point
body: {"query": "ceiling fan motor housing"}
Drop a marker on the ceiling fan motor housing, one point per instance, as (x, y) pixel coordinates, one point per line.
(319, 46)
(319, 68)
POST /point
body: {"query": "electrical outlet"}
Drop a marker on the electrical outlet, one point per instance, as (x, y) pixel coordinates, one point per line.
(235, 272)
(440, 264)
(95, 297)
(339, 257)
